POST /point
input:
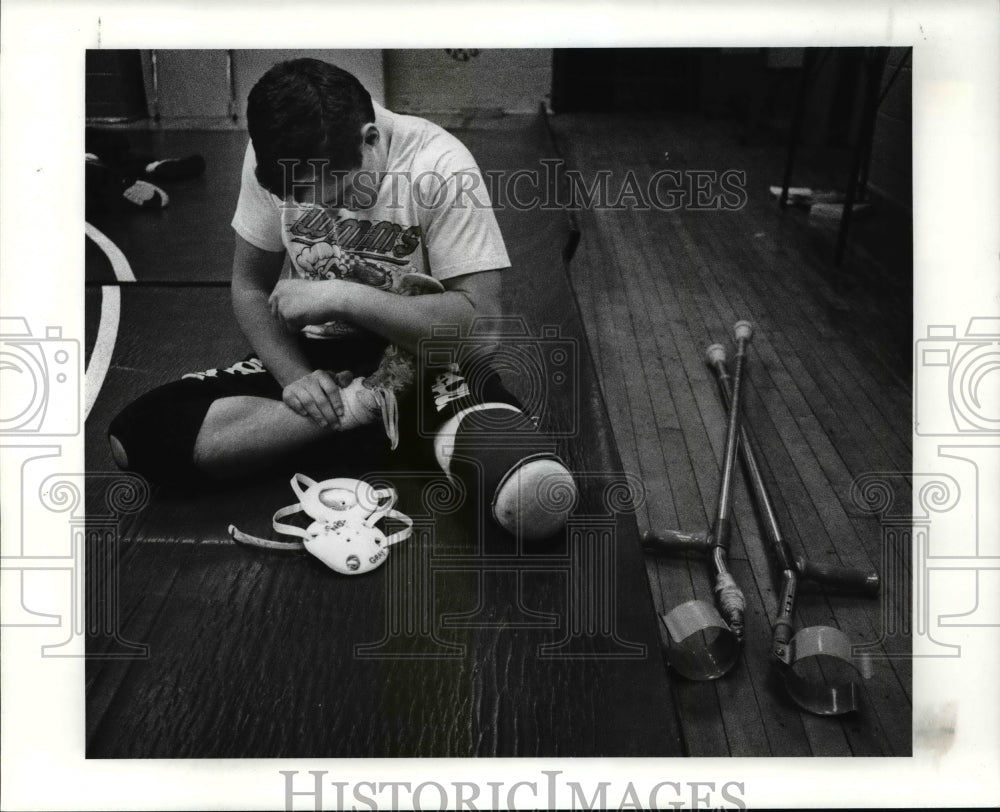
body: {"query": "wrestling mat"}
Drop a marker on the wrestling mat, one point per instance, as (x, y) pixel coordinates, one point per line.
(466, 642)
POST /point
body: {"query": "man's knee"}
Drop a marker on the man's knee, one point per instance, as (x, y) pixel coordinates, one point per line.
(155, 435)
(118, 453)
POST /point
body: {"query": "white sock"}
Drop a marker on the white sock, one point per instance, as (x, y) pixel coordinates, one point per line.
(143, 194)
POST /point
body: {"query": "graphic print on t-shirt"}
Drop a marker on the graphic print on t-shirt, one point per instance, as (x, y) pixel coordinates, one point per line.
(380, 254)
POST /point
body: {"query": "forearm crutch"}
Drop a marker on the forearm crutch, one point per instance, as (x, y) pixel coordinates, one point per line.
(791, 651)
(705, 643)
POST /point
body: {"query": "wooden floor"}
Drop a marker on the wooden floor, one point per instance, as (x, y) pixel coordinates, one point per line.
(827, 400)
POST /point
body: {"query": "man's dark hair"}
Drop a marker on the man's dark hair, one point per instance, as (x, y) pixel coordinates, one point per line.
(302, 110)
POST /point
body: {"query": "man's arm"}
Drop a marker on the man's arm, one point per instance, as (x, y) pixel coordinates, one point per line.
(403, 320)
(311, 393)
(255, 273)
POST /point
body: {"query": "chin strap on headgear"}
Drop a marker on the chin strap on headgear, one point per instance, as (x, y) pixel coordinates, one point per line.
(343, 534)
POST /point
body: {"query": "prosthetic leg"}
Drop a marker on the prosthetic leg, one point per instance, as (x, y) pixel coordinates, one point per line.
(797, 654)
(704, 643)
(485, 440)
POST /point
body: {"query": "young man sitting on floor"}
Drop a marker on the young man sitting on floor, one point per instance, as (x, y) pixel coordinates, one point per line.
(350, 193)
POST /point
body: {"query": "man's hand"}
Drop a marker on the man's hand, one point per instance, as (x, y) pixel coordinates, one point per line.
(298, 302)
(317, 396)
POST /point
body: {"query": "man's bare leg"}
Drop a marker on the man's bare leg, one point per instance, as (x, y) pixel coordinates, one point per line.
(244, 434)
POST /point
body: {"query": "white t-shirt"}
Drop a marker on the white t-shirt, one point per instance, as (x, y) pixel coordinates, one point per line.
(431, 214)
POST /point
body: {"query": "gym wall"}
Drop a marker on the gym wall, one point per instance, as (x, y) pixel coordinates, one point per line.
(114, 85)
(891, 173)
(193, 86)
(501, 80)
(196, 88)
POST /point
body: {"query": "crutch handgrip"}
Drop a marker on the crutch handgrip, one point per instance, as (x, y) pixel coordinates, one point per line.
(742, 331)
(865, 582)
(674, 541)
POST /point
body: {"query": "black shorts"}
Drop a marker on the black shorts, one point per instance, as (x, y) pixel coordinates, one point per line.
(158, 430)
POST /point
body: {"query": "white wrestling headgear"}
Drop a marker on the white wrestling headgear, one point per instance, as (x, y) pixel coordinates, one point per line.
(343, 534)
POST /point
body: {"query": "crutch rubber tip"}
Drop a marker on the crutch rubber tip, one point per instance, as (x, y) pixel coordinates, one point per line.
(716, 354)
(743, 331)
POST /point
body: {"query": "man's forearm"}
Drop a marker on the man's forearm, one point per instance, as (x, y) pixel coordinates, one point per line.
(279, 350)
(403, 320)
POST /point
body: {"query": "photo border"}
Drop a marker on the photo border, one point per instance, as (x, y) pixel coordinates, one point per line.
(955, 216)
